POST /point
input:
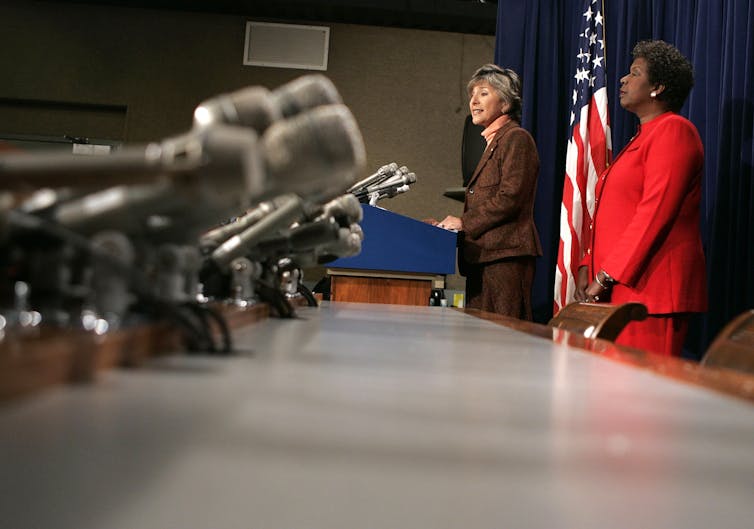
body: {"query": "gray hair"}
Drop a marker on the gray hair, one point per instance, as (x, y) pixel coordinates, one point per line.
(506, 84)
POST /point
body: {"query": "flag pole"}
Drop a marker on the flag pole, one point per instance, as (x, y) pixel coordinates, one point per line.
(588, 151)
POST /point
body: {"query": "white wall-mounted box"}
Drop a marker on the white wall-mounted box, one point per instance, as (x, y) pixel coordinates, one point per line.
(286, 45)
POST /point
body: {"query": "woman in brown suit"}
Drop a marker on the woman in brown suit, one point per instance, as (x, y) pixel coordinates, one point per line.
(499, 242)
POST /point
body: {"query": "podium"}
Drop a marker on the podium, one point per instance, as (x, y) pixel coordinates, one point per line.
(401, 261)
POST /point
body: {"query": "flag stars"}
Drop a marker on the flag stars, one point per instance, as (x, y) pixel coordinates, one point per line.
(597, 62)
(598, 19)
(574, 96)
(588, 14)
(592, 40)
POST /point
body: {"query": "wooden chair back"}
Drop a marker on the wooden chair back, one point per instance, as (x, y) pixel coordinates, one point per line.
(733, 347)
(598, 320)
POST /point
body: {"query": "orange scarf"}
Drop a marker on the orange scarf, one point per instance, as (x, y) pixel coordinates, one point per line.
(491, 130)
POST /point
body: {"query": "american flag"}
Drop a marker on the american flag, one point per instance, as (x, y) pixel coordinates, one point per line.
(589, 150)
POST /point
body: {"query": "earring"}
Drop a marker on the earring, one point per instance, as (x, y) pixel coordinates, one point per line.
(653, 94)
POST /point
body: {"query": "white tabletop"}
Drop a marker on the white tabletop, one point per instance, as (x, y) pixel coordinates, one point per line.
(367, 416)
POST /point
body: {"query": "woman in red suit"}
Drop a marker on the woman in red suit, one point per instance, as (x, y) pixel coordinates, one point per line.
(646, 245)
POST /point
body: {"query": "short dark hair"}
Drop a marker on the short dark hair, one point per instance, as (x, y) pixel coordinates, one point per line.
(506, 83)
(669, 67)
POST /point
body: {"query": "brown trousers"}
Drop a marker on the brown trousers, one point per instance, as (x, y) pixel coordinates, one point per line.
(502, 286)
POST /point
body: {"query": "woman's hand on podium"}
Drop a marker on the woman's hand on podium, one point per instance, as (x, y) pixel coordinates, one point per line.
(451, 223)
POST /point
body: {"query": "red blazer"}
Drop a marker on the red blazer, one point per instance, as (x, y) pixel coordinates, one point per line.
(646, 220)
(498, 216)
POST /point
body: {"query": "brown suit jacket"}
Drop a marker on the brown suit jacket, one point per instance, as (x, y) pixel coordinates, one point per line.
(498, 217)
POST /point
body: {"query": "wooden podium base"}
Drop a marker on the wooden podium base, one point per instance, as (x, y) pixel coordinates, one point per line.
(363, 286)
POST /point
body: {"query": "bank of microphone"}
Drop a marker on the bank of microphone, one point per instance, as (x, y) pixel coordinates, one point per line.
(399, 182)
(383, 173)
(306, 242)
(285, 224)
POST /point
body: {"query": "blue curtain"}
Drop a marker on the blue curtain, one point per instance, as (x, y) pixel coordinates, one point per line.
(536, 38)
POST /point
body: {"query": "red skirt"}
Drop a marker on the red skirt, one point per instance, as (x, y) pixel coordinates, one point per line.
(662, 334)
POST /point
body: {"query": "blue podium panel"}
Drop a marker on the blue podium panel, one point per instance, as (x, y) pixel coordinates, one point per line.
(397, 243)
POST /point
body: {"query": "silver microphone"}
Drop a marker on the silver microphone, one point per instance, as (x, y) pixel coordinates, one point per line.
(389, 188)
(304, 93)
(383, 172)
(288, 210)
(316, 152)
(345, 207)
(220, 234)
(303, 238)
(231, 168)
(211, 168)
(137, 164)
(346, 243)
(400, 179)
(316, 243)
(250, 107)
(258, 108)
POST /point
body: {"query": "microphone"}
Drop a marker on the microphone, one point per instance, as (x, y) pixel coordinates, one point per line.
(135, 164)
(216, 236)
(300, 239)
(231, 168)
(313, 243)
(258, 108)
(346, 244)
(388, 187)
(346, 209)
(288, 209)
(304, 93)
(382, 173)
(399, 179)
(19, 171)
(388, 193)
(109, 290)
(226, 154)
(316, 152)
(251, 107)
(264, 237)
